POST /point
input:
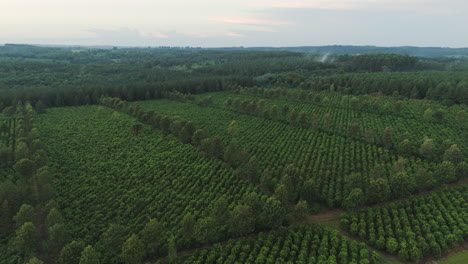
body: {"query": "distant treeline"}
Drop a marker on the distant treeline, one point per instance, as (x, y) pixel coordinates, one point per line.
(62, 77)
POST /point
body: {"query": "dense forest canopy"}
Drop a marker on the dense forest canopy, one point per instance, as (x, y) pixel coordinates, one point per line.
(67, 76)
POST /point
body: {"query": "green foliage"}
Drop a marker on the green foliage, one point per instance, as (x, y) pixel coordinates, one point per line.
(34, 261)
(138, 177)
(154, 237)
(25, 214)
(71, 253)
(242, 220)
(26, 239)
(297, 244)
(89, 256)
(416, 227)
(133, 250)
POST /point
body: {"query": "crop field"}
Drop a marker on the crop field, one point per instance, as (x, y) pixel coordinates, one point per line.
(417, 227)
(327, 159)
(408, 122)
(298, 244)
(107, 175)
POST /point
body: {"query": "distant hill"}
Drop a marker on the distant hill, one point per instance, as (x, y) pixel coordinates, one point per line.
(334, 49)
(407, 50)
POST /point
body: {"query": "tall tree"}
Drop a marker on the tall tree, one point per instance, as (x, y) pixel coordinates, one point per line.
(355, 199)
(26, 240)
(453, 154)
(242, 220)
(133, 250)
(89, 256)
(387, 137)
(154, 237)
(71, 253)
(25, 214)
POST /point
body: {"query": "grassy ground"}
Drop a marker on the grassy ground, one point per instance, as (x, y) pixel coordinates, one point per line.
(458, 258)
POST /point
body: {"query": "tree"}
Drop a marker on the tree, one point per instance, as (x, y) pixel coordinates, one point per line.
(154, 237)
(133, 250)
(204, 231)
(89, 256)
(405, 147)
(379, 190)
(439, 115)
(369, 136)
(354, 127)
(198, 136)
(220, 213)
(378, 172)
(186, 133)
(165, 124)
(301, 209)
(250, 170)
(5, 156)
(274, 112)
(242, 220)
(25, 214)
(25, 168)
(26, 239)
(54, 217)
(233, 128)
(58, 237)
(112, 240)
(21, 151)
(387, 137)
(71, 253)
(427, 148)
(354, 199)
(136, 128)
(309, 191)
(34, 261)
(188, 224)
(460, 117)
(285, 110)
(453, 154)
(172, 250)
(423, 178)
(401, 184)
(282, 193)
(428, 115)
(447, 172)
(212, 146)
(266, 180)
(232, 154)
(273, 214)
(293, 116)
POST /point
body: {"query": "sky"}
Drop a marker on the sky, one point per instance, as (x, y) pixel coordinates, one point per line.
(234, 23)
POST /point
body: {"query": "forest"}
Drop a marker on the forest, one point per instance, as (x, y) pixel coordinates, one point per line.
(172, 155)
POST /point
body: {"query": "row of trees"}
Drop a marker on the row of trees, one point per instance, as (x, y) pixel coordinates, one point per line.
(28, 191)
(365, 128)
(414, 228)
(296, 244)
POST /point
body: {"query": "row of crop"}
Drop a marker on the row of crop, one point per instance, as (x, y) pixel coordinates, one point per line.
(108, 174)
(297, 244)
(416, 227)
(376, 104)
(377, 188)
(348, 122)
(324, 159)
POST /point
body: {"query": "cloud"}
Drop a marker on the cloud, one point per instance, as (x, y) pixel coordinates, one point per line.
(160, 35)
(234, 35)
(251, 21)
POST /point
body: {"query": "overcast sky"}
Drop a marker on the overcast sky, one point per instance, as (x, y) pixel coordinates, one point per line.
(215, 23)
